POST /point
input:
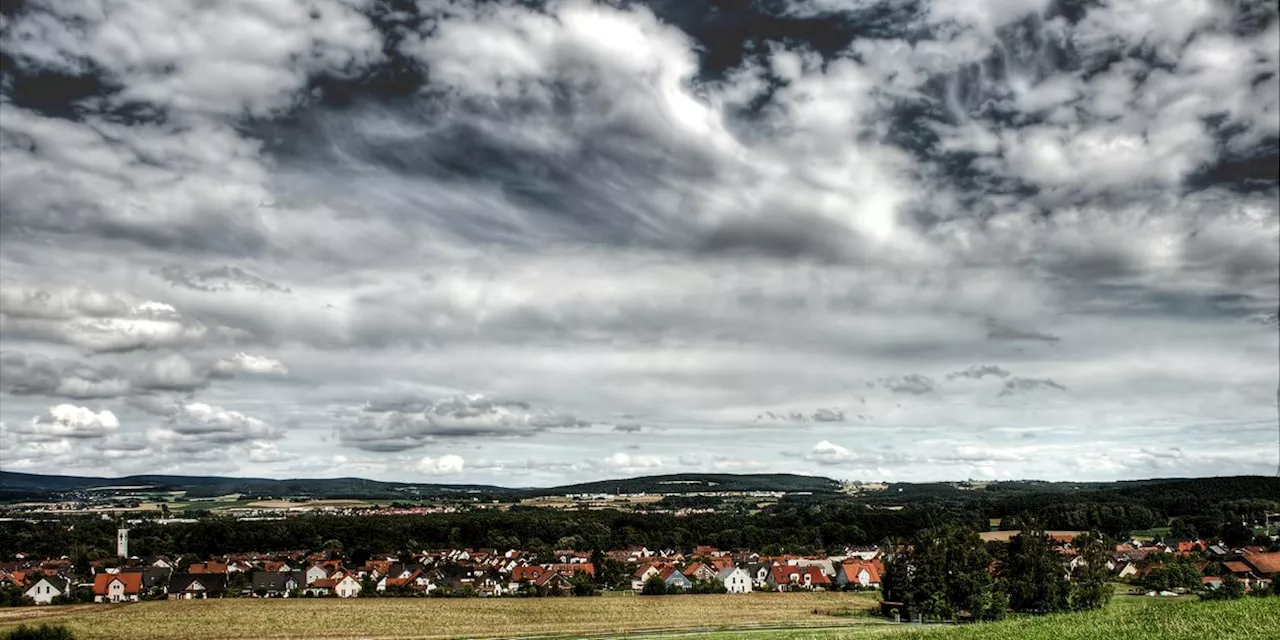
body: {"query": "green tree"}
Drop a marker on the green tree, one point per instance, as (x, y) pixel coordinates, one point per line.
(1091, 580)
(1230, 589)
(654, 586)
(1183, 530)
(948, 575)
(1032, 572)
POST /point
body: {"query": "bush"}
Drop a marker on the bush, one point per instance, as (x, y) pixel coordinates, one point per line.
(42, 632)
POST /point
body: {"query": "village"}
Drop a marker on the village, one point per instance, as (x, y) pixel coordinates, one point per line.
(513, 572)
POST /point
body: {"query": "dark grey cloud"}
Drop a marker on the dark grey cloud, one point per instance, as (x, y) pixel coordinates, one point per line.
(628, 428)
(999, 331)
(224, 278)
(34, 374)
(1015, 386)
(978, 372)
(912, 383)
(828, 415)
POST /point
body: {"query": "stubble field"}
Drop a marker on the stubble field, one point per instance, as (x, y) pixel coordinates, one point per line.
(387, 618)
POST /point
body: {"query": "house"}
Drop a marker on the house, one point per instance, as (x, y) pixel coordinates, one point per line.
(1125, 570)
(47, 588)
(316, 572)
(570, 568)
(698, 571)
(277, 584)
(117, 587)
(792, 578)
(674, 577)
(155, 580)
(197, 586)
(1264, 565)
(824, 565)
(862, 574)
(160, 562)
(552, 581)
(1211, 582)
(418, 580)
(344, 587)
(1241, 571)
(862, 553)
(208, 567)
(642, 575)
(735, 580)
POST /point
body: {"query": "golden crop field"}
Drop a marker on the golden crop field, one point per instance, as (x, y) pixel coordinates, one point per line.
(387, 618)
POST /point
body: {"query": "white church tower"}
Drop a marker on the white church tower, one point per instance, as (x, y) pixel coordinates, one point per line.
(122, 543)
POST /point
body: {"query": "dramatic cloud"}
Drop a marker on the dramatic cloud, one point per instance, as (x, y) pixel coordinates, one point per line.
(1001, 238)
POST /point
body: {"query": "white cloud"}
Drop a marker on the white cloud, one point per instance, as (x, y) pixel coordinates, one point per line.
(237, 57)
(628, 462)
(830, 453)
(247, 363)
(70, 421)
(444, 465)
(202, 422)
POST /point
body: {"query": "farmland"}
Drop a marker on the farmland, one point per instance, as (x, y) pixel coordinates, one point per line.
(760, 616)
(446, 618)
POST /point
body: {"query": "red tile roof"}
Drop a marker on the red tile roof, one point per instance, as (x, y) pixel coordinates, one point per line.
(521, 574)
(1236, 566)
(132, 583)
(1264, 563)
(852, 569)
(571, 568)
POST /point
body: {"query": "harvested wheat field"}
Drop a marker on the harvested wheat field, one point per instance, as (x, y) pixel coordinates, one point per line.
(448, 618)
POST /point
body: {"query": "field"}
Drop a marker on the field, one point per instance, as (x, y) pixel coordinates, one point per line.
(760, 616)
(444, 618)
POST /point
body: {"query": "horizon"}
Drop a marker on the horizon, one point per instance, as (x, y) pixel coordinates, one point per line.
(544, 243)
(1156, 479)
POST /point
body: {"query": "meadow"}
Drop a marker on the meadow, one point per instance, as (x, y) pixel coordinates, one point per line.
(760, 616)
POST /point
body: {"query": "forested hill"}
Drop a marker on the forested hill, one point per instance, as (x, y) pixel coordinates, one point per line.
(699, 482)
(203, 486)
(25, 484)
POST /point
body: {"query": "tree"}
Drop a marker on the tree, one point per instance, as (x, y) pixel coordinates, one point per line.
(946, 571)
(1090, 580)
(1230, 589)
(1032, 573)
(1236, 535)
(1182, 530)
(654, 586)
(583, 585)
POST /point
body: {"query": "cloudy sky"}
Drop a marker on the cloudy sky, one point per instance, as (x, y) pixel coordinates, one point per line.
(529, 244)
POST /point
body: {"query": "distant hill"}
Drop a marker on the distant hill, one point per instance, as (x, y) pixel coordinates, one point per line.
(31, 484)
(699, 482)
(15, 485)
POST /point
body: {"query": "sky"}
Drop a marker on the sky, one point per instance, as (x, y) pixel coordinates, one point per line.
(530, 244)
